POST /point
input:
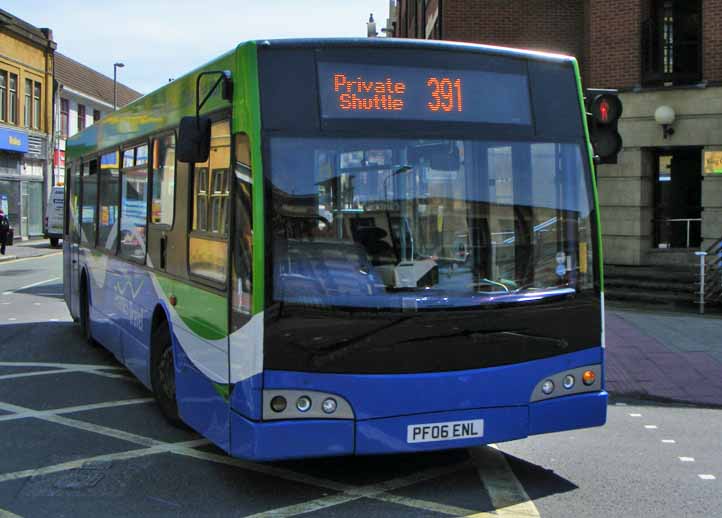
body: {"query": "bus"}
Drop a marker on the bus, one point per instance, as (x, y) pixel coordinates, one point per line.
(326, 247)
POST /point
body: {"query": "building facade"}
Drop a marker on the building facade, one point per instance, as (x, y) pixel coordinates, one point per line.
(26, 121)
(82, 97)
(664, 197)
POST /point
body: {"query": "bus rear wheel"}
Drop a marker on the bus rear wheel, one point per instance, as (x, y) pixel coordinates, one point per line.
(163, 374)
(85, 316)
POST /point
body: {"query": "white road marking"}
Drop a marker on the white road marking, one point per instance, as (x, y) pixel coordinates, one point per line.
(13, 261)
(60, 365)
(635, 415)
(620, 404)
(370, 491)
(669, 441)
(12, 319)
(97, 370)
(74, 409)
(31, 286)
(125, 455)
(507, 495)
(8, 514)
(36, 304)
(61, 371)
(707, 477)
(153, 446)
(687, 459)
(650, 426)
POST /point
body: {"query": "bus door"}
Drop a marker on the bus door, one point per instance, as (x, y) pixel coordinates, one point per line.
(202, 332)
(71, 243)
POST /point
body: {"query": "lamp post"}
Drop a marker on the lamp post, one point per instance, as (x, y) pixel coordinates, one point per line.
(116, 66)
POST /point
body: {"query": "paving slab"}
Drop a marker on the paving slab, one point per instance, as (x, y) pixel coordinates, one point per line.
(667, 356)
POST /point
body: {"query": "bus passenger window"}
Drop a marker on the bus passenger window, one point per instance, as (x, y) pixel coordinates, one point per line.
(242, 241)
(208, 243)
(109, 194)
(134, 203)
(163, 198)
(88, 220)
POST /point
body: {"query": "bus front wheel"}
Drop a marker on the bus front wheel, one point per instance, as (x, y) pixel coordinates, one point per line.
(163, 374)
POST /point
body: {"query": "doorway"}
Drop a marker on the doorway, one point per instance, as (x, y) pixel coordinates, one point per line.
(678, 198)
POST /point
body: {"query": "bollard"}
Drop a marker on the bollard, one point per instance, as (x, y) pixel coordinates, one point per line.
(702, 255)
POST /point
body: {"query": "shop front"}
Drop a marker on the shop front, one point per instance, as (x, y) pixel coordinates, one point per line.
(22, 166)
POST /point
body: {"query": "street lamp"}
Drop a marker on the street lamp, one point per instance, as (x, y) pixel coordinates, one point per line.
(116, 66)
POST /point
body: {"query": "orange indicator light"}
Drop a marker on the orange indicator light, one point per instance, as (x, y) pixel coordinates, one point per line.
(588, 377)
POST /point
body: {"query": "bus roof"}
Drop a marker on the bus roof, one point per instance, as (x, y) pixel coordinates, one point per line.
(164, 107)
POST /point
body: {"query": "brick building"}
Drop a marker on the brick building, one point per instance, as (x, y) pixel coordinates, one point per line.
(26, 121)
(664, 197)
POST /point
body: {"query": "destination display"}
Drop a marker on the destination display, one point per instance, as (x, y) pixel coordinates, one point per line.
(361, 91)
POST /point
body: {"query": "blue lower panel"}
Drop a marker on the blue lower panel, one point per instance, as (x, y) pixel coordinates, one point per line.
(199, 404)
(568, 413)
(389, 435)
(274, 440)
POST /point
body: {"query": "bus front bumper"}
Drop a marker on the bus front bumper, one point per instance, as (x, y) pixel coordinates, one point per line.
(275, 440)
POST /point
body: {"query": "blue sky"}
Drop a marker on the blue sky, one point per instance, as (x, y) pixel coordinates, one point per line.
(162, 39)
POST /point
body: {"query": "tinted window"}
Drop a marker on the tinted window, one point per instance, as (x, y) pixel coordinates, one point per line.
(133, 206)
(108, 205)
(88, 218)
(163, 180)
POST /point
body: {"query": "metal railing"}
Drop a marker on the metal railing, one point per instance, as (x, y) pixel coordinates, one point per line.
(710, 276)
(662, 231)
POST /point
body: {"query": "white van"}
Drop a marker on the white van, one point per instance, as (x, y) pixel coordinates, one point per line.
(54, 215)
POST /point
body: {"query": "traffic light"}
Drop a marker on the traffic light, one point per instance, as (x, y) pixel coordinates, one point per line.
(603, 111)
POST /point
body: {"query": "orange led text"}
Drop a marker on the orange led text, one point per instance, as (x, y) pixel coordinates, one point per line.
(358, 94)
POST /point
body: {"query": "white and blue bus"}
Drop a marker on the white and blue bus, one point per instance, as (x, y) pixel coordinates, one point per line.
(335, 247)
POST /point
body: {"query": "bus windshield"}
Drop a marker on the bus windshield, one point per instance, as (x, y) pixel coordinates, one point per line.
(416, 224)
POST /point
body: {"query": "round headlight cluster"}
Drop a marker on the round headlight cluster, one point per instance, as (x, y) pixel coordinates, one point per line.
(303, 404)
(548, 387)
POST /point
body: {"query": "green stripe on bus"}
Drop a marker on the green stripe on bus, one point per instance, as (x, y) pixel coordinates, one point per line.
(594, 173)
(204, 313)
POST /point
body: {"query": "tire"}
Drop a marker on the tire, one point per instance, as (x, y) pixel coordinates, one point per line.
(85, 317)
(163, 374)
(54, 242)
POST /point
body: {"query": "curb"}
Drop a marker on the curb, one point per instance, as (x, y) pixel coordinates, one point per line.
(4, 258)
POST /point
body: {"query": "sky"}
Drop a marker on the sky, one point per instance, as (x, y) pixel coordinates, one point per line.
(161, 39)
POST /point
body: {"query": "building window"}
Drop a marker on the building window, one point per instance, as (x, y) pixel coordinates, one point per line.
(3, 95)
(13, 99)
(81, 117)
(28, 106)
(64, 110)
(96, 116)
(672, 43)
(36, 106)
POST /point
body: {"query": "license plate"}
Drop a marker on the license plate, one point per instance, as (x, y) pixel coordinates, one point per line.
(449, 431)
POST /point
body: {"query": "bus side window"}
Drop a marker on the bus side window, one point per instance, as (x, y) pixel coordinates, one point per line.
(243, 234)
(163, 191)
(109, 187)
(208, 243)
(88, 219)
(134, 203)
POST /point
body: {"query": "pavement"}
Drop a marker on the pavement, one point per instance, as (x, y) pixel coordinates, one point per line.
(664, 356)
(29, 248)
